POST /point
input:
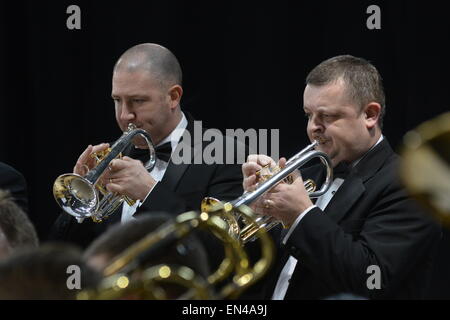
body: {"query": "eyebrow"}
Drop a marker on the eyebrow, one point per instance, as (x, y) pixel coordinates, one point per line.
(321, 108)
(131, 96)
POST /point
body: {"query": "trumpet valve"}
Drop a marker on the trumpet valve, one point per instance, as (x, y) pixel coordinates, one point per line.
(310, 185)
(266, 172)
(98, 156)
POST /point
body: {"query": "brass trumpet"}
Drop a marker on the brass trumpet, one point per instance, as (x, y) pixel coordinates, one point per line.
(84, 197)
(150, 284)
(245, 231)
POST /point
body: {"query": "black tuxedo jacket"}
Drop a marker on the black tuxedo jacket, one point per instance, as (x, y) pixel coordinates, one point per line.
(181, 189)
(369, 221)
(14, 182)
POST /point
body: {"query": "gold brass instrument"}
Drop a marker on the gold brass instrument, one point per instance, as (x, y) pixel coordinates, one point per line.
(269, 178)
(425, 166)
(84, 197)
(150, 284)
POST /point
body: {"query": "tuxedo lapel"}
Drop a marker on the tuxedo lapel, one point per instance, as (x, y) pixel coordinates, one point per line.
(346, 196)
(353, 187)
(175, 172)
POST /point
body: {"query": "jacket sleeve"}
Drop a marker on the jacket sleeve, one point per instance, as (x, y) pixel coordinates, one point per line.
(394, 235)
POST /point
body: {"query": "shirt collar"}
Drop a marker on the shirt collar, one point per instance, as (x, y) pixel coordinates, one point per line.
(358, 160)
(175, 136)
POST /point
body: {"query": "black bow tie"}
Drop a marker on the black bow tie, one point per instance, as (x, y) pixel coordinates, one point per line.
(341, 170)
(163, 152)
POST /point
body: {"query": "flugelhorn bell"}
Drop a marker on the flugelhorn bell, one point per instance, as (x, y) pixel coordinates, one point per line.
(127, 276)
(84, 197)
(425, 166)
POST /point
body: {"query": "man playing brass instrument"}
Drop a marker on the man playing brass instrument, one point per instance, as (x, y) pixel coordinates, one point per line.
(364, 236)
(147, 90)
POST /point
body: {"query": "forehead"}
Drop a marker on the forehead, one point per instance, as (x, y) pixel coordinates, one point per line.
(134, 82)
(329, 95)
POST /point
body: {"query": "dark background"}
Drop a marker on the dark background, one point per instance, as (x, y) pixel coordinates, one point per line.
(244, 66)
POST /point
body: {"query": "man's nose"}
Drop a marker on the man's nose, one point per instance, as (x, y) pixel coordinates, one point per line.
(315, 125)
(126, 113)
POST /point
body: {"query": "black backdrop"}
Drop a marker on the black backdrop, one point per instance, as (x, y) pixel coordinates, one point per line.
(244, 66)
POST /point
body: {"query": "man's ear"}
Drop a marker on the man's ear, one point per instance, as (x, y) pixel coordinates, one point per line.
(372, 113)
(175, 93)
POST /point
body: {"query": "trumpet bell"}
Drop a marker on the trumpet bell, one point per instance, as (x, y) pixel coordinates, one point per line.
(76, 195)
(86, 196)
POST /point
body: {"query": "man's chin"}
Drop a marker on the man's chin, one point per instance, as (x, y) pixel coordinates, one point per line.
(325, 147)
(329, 152)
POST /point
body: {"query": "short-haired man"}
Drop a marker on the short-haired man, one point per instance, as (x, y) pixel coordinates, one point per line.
(365, 236)
(147, 91)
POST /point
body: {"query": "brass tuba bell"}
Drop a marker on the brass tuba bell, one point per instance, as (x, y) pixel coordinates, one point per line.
(425, 166)
(234, 275)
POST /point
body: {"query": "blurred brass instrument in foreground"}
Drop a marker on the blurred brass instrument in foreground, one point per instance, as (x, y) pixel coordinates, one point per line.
(246, 231)
(84, 197)
(425, 166)
(120, 281)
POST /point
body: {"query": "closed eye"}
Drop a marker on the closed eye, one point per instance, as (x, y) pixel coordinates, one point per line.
(138, 100)
(328, 115)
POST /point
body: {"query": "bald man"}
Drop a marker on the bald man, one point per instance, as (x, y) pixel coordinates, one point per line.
(147, 90)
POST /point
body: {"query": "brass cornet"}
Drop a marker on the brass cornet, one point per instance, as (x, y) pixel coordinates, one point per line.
(236, 268)
(246, 231)
(84, 197)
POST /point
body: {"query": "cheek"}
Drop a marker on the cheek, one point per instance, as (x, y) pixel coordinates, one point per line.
(147, 112)
(309, 130)
(122, 124)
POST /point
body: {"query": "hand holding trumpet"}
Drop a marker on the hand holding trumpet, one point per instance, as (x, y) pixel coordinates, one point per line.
(285, 202)
(128, 177)
(124, 176)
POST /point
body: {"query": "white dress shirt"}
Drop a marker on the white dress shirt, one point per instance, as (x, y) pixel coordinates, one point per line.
(322, 202)
(158, 170)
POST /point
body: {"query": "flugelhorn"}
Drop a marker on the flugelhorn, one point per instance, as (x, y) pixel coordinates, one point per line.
(84, 197)
(246, 231)
(120, 281)
(425, 166)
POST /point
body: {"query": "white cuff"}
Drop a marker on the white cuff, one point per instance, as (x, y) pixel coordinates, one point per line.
(148, 194)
